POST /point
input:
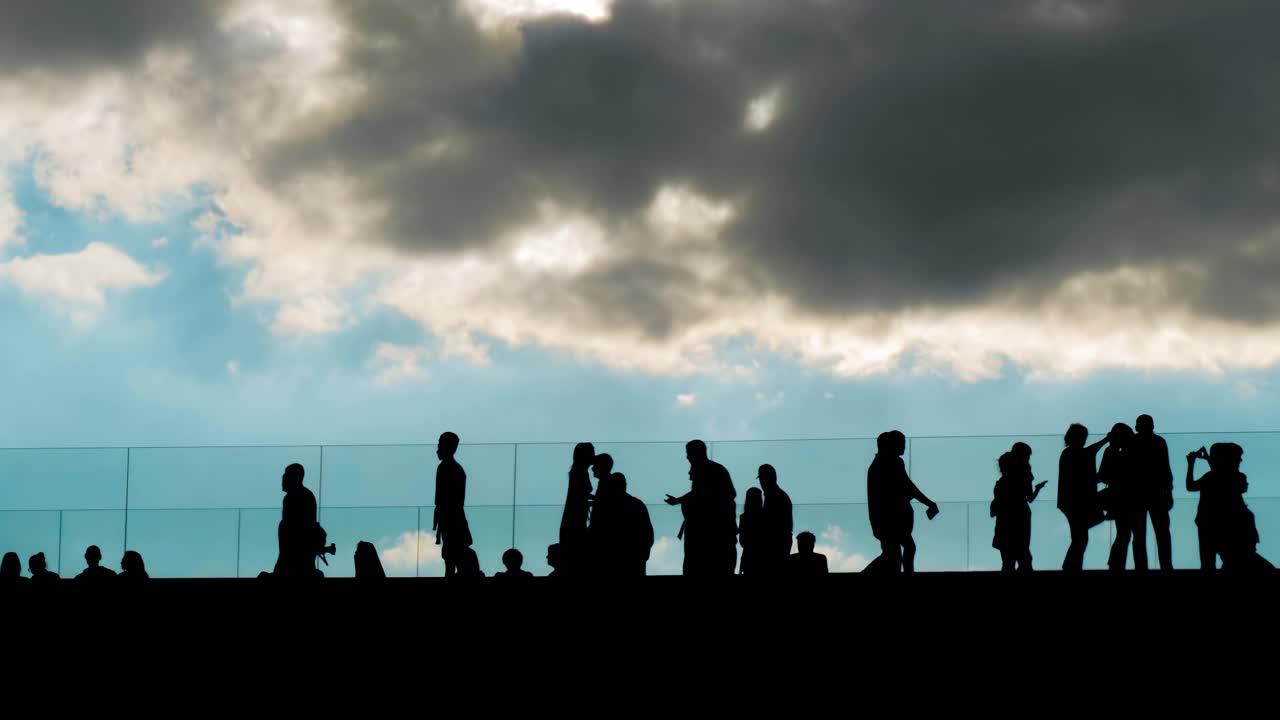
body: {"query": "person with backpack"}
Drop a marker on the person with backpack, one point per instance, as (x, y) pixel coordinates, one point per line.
(301, 538)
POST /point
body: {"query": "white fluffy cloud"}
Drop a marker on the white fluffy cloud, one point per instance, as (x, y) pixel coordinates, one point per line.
(79, 281)
(686, 399)
(404, 554)
(395, 363)
(10, 214)
(666, 557)
(499, 14)
(839, 558)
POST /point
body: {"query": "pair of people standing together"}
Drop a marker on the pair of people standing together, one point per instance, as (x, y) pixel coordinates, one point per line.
(1139, 484)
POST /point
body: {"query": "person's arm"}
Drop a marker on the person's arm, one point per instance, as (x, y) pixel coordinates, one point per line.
(1094, 448)
(1193, 485)
(648, 535)
(918, 496)
(1167, 466)
(1036, 492)
(678, 500)
(435, 513)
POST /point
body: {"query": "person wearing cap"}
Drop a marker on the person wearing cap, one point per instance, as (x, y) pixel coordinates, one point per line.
(777, 521)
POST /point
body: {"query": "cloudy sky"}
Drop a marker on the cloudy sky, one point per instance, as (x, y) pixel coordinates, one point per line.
(302, 221)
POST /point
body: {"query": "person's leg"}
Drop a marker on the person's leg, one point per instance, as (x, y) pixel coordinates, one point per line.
(1140, 539)
(1208, 553)
(1164, 542)
(890, 560)
(1008, 561)
(1024, 565)
(1120, 548)
(908, 554)
(446, 555)
(1074, 561)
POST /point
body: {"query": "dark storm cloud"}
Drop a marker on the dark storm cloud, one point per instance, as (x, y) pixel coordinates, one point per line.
(84, 34)
(926, 152)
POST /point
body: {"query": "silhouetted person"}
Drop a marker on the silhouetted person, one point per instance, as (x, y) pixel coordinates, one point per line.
(776, 539)
(602, 547)
(298, 532)
(889, 495)
(555, 560)
(621, 533)
(751, 534)
(806, 563)
(11, 570)
(1011, 507)
(513, 561)
(95, 572)
(577, 507)
(1226, 526)
(39, 569)
(132, 568)
(1078, 491)
(710, 516)
(468, 564)
(637, 532)
(368, 564)
(453, 533)
(1125, 500)
(1150, 465)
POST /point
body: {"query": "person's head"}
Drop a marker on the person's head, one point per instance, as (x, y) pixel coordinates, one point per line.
(584, 454)
(1120, 435)
(1145, 425)
(554, 556)
(1022, 451)
(132, 563)
(696, 451)
(892, 442)
(1008, 464)
(618, 484)
(36, 563)
(513, 560)
(11, 566)
(93, 556)
(368, 566)
(447, 446)
(805, 542)
(1225, 457)
(1077, 435)
(755, 500)
(767, 476)
(602, 466)
(293, 477)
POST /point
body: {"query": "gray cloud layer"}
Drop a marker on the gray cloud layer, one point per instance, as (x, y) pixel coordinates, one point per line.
(84, 34)
(925, 152)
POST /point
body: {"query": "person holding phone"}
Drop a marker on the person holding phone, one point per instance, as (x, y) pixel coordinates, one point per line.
(1011, 507)
(1222, 509)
